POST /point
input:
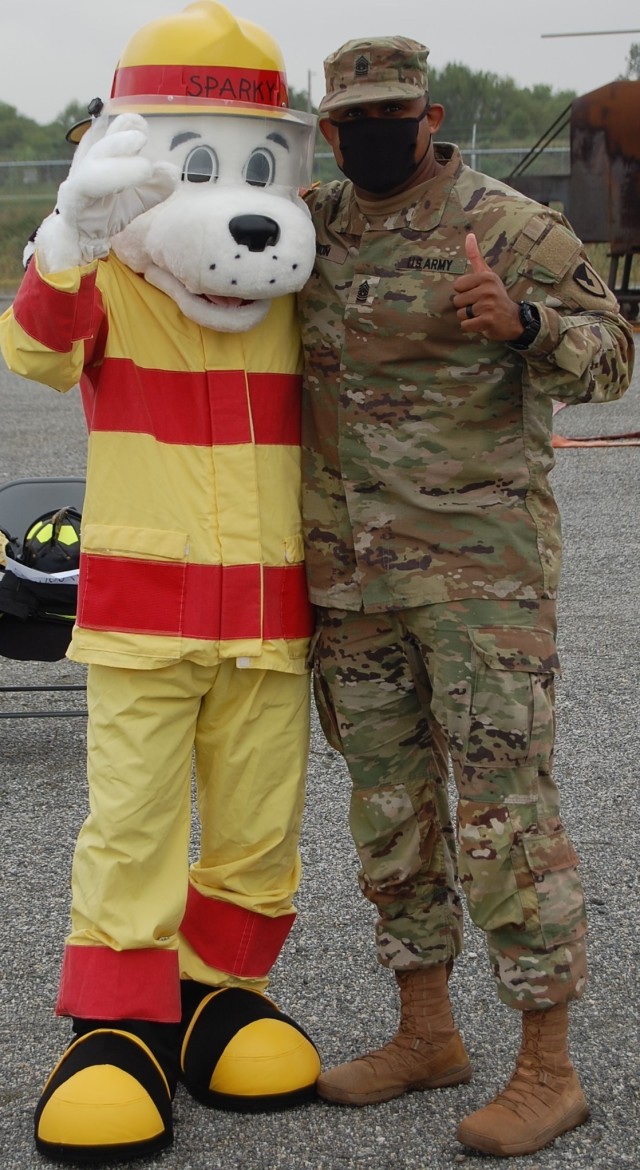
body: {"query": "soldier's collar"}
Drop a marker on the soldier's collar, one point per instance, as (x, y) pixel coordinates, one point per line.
(420, 208)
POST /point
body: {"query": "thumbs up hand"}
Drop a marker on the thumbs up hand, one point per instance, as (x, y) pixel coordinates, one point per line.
(482, 301)
(473, 254)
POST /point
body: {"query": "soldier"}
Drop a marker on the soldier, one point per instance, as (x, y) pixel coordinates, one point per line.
(444, 314)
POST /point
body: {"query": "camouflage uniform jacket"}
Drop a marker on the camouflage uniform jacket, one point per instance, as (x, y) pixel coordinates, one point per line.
(427, 451)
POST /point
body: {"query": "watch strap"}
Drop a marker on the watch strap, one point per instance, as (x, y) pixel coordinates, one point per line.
(530, 321)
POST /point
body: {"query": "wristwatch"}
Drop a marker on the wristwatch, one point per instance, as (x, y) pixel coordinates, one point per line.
(530, 321)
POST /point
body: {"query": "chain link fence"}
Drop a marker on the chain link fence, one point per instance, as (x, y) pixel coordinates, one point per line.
(33, 178)
(38, 178)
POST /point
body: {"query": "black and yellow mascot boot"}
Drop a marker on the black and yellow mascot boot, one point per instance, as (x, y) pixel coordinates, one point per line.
(109, 1097)
(240, 1052)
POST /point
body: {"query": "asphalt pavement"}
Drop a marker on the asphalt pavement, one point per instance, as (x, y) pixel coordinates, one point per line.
(327, 976)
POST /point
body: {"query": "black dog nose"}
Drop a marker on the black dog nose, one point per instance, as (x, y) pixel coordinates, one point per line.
(254, 231)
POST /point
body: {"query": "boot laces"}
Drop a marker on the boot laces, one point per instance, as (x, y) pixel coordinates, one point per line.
(530, 1090)
(400, 1054)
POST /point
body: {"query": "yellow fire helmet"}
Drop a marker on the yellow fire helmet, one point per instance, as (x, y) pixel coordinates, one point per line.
(203, 52)
(204, 60)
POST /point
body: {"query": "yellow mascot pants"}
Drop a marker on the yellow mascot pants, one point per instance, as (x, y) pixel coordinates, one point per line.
(141, 917)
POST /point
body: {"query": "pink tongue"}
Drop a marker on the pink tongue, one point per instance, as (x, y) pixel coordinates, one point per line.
(227, 302)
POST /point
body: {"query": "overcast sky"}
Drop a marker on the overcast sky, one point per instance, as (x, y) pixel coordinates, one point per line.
(53, 52)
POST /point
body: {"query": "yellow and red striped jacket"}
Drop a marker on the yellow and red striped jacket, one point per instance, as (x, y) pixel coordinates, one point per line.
(191, 532)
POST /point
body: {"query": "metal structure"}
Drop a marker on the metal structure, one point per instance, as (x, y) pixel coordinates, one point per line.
(601, 194)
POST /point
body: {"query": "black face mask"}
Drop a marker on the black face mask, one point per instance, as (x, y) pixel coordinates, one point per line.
(378, 154)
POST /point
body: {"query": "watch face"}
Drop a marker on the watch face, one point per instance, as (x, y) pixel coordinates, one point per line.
(527, 315)
(530, 321)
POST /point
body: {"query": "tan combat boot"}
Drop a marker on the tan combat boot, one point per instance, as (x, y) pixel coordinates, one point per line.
(426, 1053)
(543, 1098)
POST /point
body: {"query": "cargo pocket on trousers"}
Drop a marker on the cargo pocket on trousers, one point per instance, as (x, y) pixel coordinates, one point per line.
(511, 710)
(322, 696)
(555, 896)
(485, 865)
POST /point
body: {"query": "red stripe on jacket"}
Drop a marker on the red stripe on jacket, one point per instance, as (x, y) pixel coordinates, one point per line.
(52, 317)
(218, 603)
(198, 409)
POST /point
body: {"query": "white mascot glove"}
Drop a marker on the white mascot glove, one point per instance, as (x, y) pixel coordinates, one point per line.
(110, 183)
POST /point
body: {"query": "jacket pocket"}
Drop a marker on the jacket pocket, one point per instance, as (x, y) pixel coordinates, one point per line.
(294, 549)
(133, 580)
(117, 540)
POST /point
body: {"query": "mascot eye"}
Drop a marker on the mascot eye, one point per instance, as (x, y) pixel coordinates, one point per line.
(201, 166)
(260, 169)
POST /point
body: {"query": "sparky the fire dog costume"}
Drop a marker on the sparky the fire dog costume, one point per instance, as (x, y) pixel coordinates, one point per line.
(164, 283)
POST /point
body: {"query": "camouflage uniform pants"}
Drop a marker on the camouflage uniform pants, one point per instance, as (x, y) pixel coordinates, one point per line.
(397, 692)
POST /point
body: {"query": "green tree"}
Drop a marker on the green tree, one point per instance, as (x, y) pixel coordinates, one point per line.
(23, 140)
(632, 72)
(324, 168)
(299, 100)
(74, 112)
(501, 111)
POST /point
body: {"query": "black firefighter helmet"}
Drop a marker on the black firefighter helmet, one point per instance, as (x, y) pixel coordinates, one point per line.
(52, 542)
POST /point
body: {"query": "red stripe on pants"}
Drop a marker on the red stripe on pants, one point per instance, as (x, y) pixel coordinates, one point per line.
(102, 984)
(231, 939)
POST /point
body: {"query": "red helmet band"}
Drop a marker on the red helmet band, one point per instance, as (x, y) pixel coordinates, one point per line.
(226, 83)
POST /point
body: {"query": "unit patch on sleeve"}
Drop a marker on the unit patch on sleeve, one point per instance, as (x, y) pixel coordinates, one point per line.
(589, 280)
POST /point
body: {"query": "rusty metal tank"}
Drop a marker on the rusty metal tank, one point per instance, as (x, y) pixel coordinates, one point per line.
(604, 189)
(601, 194)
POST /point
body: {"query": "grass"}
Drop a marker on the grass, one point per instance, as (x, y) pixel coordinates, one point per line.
(18, 218)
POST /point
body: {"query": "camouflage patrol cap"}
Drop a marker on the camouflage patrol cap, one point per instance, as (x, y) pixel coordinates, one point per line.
(372, 70)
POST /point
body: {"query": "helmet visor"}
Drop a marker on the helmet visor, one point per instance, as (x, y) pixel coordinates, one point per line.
(224, 141)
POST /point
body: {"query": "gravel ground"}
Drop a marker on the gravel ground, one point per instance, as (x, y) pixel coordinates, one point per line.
(327, 976)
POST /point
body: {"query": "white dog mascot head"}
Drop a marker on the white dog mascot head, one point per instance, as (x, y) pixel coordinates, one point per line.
(191, 173)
